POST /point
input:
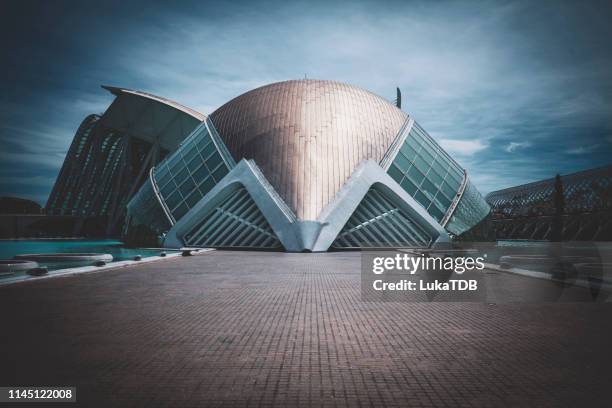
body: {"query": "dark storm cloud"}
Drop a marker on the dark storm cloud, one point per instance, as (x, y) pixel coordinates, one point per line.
(516, 91)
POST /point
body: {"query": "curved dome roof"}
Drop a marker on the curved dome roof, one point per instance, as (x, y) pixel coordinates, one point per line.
(307, 136)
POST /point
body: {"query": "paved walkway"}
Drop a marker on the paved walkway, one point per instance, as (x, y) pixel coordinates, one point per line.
(272, 329)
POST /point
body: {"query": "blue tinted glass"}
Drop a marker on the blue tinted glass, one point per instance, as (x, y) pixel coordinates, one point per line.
(167, 189)
(440, 167)
(412, 142)
(435, 212)
(434, 177)
(182, 175)
(448, 190)
(180, 211)
(453, 183)
(415, 175)
(207, 185)
(408, 186)
(189, 154)
(203, 141)
(421, 164)
(201, 173)
(213, 161)
(220, 173)
(420, 197)
(173, 200)
(395, 173)
(428, 188)
(443, 200)
(162, 177)
(402, 162)
(195, 163)
(208, 150)
(187, 187)
(193, 198)
(427, 157)
(408, 151)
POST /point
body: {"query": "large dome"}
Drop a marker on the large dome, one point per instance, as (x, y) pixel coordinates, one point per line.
(308, 136)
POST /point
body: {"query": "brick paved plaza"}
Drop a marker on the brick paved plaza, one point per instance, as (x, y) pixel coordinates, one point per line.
(275, 329)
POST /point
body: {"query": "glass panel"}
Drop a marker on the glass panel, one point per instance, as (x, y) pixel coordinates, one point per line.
(470, 210)
(182, 175)
(454, 184)
(395, 173)
(172, 161)
(443, 200)
(208, 150)
(203, 142)
(173, 200)
(190, 154)
(420, 197)
(448, 190)
(201, 173)
(180, 211)
(421, 164)
(214, 161)
(430, 148)
(162, 177)
(408, 151)
(402, 162)
(187, 187)
(193, 198)
(207, 185)
(408, 186)
(435, 212)
(415, 175)
(434, 177)
(440, 167)
(427, 157)
(168, 188)
(220, 173)
(193, 164)
(455, 175)
(429, 189)
(411, 141)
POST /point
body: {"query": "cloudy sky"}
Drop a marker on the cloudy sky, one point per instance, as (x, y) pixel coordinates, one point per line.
(516, 91)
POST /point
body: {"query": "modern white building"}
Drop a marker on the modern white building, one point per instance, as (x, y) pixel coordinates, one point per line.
(306, 165)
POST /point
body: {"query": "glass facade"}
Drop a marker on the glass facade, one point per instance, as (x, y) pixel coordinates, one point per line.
(435, 180)
(110, 157)
(427, 172)
(192, 171)
(144, 210)
(471, 209)
(410, 157)
(67, 197)
(98, 173)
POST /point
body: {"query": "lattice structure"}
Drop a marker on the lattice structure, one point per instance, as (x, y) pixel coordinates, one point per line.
(379, 223)
(527, 211)
(235, 223)
(111, 155)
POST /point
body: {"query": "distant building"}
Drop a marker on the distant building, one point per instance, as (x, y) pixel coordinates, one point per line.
(111, 155)
(528, 211)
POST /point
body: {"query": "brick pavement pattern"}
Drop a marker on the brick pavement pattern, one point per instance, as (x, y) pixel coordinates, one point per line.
(276, 329)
